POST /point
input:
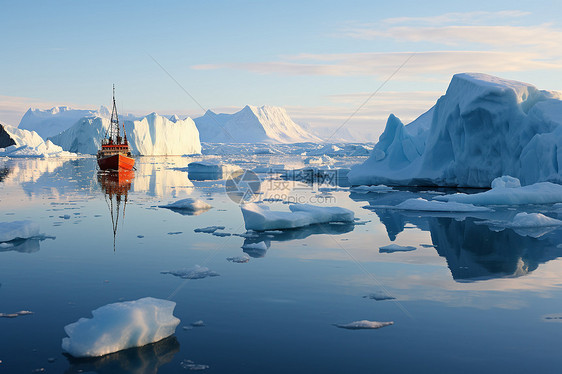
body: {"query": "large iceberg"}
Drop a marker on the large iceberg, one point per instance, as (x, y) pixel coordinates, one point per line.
(266, 124)
(482, 128)
(152, 135)
(119, 326)
(15, 142)
(55, 120)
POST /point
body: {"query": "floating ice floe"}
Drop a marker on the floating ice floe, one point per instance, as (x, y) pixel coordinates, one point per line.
(16, 314)
(209, 230)
(199, 323)
(364, 325)
(396, 248)
(18, 230)
(240, 259)
(259, 217)
(420, 204)
(189, 204)
(196, 272)
(119, 326)
(508, 191)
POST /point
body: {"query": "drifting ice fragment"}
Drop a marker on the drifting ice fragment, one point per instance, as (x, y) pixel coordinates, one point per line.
(16, 314)
(396, 248)
(240, 259)
(188, 204)
(364, 324)
(210, 229)
(261, 218)
(119, 326)
(196, 272)
(18, 230)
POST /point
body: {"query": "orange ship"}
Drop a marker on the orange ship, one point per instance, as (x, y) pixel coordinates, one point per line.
(115, 153)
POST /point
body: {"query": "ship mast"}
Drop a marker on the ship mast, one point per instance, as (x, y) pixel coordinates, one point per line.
(114, 132)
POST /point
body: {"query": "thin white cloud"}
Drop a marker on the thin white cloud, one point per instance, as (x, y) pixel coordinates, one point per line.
(381, 65)
(477, 17)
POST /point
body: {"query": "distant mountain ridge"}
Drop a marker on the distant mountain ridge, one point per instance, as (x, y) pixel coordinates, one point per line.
(266, 124)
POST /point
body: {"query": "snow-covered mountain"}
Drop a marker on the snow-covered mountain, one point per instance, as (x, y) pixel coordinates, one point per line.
(15, 142)
(55, 120)
(482, 128)
(151, 135)
(266, 124)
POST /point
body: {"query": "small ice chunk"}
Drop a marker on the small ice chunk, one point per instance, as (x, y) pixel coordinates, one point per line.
(16, 314)
(199, 323)
(261, 218)
(210, 229)
(221, 233)
(506, 181)
(396, 248)
(188, 204)
(119, 326)
(18, 230)
(364, 324)
(190, 365)
(196, 272)
(240, 259)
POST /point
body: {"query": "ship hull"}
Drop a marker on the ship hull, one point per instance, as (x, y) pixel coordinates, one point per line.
(116, 162)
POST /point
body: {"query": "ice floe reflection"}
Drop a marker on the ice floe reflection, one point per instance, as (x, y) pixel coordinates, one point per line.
(268, 237)
(474, 249)
(144, 360)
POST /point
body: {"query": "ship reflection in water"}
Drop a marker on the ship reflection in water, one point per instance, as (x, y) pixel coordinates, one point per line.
(116, 186)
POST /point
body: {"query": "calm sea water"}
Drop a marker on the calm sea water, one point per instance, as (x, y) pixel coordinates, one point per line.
(467, 299)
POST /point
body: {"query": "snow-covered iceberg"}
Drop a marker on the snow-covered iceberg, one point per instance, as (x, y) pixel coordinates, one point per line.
(18, 230)
(15, 142)
(259, 217)
(266, 124)
(153, 135)
(482, 128)
(119, 326)
(55, 120)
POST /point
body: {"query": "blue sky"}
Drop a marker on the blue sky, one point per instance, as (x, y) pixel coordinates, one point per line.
(319, 59)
